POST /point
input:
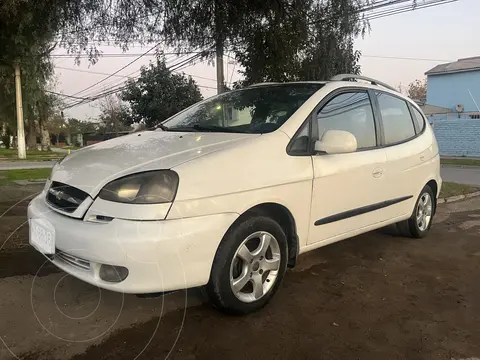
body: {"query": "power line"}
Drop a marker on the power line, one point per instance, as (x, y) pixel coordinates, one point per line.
(113, 84)
(406, 58)
(122, 76)
(123, 67)
(121, 55)
(88, 72)
(403, 9)
(68, 96)
(119, 87)
(391, 9)
(182, 61)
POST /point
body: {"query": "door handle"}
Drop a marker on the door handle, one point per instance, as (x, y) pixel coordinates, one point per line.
(377, 172)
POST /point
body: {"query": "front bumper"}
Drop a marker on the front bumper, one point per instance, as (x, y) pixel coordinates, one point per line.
(159, 255)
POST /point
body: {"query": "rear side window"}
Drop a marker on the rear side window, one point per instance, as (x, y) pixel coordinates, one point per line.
(418, 118)
(350, 112)
(396, 118)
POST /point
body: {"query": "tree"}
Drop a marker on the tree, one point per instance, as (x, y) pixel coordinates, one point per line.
(417, 90)
(48, 111)
(114, 117)
(312, 41)
(57, 126)
(158, 94)
(75, 126)
(35, 77)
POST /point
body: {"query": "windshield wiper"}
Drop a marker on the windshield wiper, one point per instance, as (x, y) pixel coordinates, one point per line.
(214, 128)
(206, 128)
(163, 127)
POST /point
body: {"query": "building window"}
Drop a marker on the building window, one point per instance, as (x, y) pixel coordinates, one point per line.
(474, 116)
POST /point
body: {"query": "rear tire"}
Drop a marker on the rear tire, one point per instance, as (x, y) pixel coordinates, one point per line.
(249, 266)
(418, 225)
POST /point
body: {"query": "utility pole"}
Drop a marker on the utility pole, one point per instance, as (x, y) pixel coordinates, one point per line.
(219, 64)
(20, 128)
(219, 46)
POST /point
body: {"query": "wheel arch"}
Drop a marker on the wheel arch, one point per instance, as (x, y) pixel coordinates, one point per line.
(283, 216)
(434, 186)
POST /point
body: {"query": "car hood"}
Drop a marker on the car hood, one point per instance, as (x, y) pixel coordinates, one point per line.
(90, 168)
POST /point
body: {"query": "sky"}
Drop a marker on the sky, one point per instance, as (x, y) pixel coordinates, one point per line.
(432, 36)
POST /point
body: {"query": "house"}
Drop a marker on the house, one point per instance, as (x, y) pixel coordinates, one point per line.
(452, 106)
(456, 86)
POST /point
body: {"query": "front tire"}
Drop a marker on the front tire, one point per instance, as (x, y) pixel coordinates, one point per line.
(418, 225)
(249, 266)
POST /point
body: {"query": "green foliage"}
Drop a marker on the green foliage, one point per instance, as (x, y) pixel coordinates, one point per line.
(75, 126)
(115, 116)
(158, 94)
(274, 27)
(454, 189)
(57, 125)
(309, 41)
(8, 176)
(26, 40)
(273, 40)
(6, 140)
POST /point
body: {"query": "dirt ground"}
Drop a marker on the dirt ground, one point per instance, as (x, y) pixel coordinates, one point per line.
(375, 296)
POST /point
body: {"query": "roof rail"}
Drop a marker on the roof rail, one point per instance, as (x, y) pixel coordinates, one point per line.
(347, 77)
(264, 84)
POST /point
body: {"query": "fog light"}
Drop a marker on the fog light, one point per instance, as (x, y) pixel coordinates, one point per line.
(112, 273)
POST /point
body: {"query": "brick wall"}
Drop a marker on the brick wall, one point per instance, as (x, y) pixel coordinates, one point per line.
(459, 137)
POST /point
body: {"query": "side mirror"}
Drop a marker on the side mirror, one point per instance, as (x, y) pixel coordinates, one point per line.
(336, 142)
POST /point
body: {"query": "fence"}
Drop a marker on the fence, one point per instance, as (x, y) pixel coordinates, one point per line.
(457, 137)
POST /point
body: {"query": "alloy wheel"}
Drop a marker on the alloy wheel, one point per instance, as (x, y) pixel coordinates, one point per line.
(424, 211)
(255, 265)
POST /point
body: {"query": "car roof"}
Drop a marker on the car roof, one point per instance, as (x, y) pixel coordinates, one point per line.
(287, 83)
(339, 77)
(348, 80)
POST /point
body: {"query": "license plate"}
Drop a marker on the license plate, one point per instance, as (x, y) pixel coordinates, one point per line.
(42, 236)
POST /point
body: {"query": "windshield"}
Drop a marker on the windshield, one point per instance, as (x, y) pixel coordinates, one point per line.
(253, 110)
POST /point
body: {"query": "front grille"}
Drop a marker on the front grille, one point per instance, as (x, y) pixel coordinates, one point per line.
(73, 260)
(65, 197)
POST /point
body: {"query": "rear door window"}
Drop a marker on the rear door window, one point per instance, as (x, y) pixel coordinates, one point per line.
(396, 119)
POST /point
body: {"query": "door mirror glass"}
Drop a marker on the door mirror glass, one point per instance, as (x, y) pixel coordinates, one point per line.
(336, 142)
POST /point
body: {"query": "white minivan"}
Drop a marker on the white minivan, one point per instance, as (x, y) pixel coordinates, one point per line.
(227, 193)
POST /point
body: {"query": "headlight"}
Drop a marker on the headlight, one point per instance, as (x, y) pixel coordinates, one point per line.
(152, 187)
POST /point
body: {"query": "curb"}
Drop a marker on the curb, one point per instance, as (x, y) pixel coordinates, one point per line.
(458, 197)
(460, 166)
(29, 182)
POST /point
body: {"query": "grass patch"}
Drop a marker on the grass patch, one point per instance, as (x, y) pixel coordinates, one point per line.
(14, 152)
(453, 189)
(8, 176)
(32, 155)
(468, 162)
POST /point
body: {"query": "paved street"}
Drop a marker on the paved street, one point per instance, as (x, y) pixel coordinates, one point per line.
(462, 175)
(373, 297)
(13, 165)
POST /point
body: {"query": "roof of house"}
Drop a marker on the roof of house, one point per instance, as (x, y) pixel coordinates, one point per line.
(433, 109)
(461, 65)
